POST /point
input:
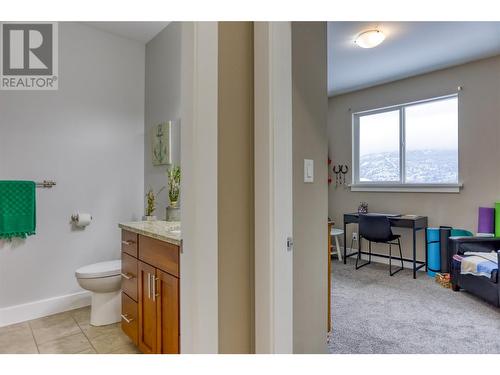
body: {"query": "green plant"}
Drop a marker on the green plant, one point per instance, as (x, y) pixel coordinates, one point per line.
(151, 201)
(174, 184)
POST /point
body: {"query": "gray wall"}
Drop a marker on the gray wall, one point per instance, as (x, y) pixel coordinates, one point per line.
(479, 151)
(88, 137)
(162, 103)
(310, 201)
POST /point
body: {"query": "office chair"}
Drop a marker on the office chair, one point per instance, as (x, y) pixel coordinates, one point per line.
(377, 228)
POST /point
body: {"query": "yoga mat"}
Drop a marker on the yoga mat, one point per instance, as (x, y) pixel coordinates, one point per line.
(433, 252)
(486, 220)
(497, 219)
(460, 233)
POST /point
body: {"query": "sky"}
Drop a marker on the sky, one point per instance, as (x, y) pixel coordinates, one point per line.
(428, 126)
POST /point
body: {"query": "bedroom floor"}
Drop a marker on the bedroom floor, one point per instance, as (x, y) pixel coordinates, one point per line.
(66, 333)
(375, 313)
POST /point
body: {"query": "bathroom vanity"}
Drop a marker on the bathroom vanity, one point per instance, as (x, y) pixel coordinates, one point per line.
(150, 285)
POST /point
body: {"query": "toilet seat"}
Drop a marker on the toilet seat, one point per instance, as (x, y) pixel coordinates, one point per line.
(101, 269)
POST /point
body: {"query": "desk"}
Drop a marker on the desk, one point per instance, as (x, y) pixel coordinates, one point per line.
(415, 223)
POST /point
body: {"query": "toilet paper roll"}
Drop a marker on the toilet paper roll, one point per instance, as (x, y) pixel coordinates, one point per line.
(82, 219)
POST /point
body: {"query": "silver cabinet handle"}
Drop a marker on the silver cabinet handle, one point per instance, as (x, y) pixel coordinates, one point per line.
(128, 243)
(155, 279)
(149, 285)
(127, 276)
(125, 317)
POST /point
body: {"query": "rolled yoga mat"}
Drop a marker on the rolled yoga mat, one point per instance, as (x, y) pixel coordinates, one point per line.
(486, 220)
(461, 233)
(497, 219)
(433, 251)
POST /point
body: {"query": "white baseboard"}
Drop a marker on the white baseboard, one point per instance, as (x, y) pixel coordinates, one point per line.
(38, 309)
(377, 259)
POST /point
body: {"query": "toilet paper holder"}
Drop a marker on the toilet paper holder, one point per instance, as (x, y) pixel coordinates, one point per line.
(75, 219)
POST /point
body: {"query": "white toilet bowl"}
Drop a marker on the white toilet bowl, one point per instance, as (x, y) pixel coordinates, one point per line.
(104, 281)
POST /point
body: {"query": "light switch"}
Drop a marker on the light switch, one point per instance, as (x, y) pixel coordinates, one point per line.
(308, 171)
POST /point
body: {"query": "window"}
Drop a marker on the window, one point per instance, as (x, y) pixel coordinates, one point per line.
(413, 144)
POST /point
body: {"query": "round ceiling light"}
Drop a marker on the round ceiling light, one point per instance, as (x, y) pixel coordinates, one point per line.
(370, 38)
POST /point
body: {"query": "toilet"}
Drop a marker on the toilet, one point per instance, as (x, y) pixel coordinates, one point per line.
(104, 281)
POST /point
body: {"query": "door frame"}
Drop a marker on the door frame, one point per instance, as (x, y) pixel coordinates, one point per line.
(273, 188)
(199, 325)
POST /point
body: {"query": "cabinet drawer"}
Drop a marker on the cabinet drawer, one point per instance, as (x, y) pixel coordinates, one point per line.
(159, 254)
(129, 317)
(129, 276)
(129, 243)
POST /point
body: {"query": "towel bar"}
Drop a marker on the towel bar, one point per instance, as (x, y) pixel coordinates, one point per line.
(46, 184)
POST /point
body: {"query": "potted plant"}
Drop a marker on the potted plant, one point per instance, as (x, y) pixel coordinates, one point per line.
(151, 204)
(174, 190)
(174, 185)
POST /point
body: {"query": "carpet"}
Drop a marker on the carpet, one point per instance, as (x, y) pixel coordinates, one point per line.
(373, 313)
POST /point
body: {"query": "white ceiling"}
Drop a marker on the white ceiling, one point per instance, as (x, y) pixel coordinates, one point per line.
(141, 32)
(410, 48)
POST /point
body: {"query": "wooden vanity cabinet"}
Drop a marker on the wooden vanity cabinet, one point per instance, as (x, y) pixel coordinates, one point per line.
(156, 328)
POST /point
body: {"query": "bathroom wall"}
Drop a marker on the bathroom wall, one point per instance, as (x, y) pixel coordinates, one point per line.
(88, 136)
(163, 103)
(478, 137)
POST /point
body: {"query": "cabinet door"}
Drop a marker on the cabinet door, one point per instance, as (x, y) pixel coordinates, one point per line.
(167, 289)
(147, 309)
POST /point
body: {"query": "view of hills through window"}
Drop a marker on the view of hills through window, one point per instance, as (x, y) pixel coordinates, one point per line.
(430, 143)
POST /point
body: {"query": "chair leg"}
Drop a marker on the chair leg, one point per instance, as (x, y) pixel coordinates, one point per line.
(400, 253)
(337, 246)
(390, 259)
(359, 255)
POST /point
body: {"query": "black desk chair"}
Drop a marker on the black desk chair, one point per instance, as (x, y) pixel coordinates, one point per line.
(377, 228)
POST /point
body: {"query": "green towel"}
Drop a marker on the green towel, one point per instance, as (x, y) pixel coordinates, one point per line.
(17, 209)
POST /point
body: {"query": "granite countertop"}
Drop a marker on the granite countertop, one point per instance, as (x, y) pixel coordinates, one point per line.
(168, 231)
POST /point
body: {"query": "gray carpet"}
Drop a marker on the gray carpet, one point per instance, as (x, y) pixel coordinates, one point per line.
(375, 313)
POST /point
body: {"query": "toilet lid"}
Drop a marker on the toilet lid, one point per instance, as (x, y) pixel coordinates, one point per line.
(102, 269)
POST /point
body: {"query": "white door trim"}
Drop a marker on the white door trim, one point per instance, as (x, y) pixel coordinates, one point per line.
(273, 188)
(199, 257)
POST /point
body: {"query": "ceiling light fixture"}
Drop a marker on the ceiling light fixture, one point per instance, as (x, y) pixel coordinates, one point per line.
(370, 38)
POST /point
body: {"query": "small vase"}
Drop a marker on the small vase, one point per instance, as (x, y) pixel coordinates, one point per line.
(173, 213)
(149, 218)
(174, 204)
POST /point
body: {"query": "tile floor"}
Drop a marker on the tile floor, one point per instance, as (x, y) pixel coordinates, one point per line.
(65, 333)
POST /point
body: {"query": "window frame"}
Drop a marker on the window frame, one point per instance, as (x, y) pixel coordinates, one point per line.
(401, 185)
